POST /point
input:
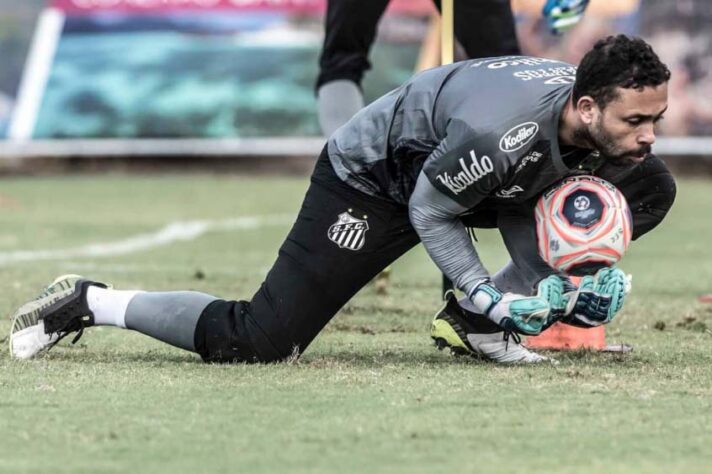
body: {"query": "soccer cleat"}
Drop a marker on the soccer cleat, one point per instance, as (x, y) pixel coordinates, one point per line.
(58, 311)
(452, 327)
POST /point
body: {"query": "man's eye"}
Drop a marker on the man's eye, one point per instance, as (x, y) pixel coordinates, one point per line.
(633, 121)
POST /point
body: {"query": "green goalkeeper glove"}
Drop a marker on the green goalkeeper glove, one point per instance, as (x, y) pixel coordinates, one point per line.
(596, 301)
(512, 312)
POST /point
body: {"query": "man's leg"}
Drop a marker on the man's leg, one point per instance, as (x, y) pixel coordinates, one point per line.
(649, 188)
(485, 28)
(340, 240)
(170, 316)
(337, 101)
(350, 30)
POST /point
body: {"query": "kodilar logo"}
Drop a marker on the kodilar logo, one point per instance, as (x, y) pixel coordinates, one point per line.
(518, 136)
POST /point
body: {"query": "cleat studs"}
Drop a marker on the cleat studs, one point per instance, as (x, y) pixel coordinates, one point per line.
(440, 343)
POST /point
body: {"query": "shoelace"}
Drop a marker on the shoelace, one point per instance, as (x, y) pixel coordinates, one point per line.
(515, 337)
(66, 331)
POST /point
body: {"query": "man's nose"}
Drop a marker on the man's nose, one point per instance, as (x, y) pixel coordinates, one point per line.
(647, 136)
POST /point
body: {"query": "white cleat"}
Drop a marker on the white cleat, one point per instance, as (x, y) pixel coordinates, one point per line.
(28, 342)
(494, 347)
(58, 311)
(459, 330)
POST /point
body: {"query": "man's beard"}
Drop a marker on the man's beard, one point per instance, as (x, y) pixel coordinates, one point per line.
(602, 141)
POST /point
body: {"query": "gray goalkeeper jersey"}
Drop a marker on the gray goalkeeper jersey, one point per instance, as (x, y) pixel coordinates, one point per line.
(471, 135)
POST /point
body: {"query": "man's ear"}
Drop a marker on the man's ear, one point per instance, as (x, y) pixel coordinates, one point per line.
(587, 109)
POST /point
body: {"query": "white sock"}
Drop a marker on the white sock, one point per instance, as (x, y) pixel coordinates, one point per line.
(465, 303)
(109, 306)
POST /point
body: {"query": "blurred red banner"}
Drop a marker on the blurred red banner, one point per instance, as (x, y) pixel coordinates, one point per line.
(415, 7)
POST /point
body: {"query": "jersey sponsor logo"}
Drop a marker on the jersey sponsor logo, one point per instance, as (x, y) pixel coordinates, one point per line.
(492, 60)
(468, 174)
(532, 157)
(509, 193)
(348, 232)
(506, 61)
(517, 137)
(552, 72)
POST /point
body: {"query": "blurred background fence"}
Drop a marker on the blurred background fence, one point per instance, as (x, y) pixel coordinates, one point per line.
(226, 78)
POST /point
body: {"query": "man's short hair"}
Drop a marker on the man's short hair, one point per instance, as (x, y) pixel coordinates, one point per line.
(618, 61)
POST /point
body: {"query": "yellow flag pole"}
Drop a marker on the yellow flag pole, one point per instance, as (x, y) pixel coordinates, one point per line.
(447, 56)
(447, 35)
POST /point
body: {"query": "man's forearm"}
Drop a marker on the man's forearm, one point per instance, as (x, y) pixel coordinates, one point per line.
(518, 229)
(445, 238)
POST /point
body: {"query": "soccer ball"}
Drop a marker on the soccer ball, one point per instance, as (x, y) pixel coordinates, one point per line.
(582, 224)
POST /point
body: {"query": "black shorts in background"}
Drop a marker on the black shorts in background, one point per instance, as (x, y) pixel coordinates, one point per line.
(484, 28)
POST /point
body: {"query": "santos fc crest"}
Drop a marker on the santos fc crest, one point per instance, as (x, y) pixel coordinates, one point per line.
(348, 232)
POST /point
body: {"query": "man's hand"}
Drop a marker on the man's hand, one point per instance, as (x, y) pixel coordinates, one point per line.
(596, 301)
(598, 298)
(560, 15)
(553, 289)
(512, 312)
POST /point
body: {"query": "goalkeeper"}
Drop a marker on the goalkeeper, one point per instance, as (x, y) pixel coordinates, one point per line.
(478, 141)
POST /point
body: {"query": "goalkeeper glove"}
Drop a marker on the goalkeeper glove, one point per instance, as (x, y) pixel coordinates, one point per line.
(596, 301)
(598, 298)
(560, 15)
(553, 289)
(512, 312)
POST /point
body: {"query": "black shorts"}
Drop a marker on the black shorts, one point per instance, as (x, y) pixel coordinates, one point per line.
(649, 188)
(484, 28)
(341, 239)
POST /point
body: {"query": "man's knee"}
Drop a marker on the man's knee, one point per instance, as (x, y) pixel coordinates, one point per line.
(649, 189)
(227, 333)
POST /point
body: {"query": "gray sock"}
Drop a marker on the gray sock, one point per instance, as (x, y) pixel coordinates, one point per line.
(337, 102)
(170, 317)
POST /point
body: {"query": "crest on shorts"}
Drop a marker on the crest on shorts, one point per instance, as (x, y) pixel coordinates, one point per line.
(348, 232)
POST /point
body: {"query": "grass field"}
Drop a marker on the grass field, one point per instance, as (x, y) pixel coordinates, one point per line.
(371, 394)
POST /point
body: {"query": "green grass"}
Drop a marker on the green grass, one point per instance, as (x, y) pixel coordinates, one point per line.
(371, 394)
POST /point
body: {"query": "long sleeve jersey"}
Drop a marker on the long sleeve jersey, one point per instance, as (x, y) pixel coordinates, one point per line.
(478, 134)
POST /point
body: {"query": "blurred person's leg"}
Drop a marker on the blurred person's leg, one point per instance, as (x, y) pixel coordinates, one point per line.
(350, 29)
(485, 28)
